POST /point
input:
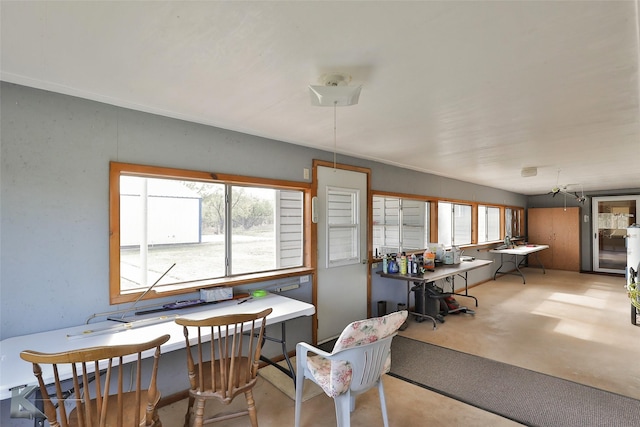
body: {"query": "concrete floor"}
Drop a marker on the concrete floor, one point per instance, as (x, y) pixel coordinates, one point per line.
(574, 326)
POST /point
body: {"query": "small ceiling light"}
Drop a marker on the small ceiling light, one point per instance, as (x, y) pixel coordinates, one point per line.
(334, 92)
(529, 171)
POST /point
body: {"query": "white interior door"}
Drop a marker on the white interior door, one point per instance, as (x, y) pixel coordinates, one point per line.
(342, 250)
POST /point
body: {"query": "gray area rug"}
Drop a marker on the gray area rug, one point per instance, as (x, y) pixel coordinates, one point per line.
(524, 396)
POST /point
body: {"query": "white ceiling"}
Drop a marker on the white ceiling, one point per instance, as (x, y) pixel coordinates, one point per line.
(472, 90)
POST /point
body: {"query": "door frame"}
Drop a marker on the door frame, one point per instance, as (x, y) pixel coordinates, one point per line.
(595, 200)
(314, 236)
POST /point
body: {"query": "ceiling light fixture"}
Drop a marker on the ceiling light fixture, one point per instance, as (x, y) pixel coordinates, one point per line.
(564, 189)
(334, 93)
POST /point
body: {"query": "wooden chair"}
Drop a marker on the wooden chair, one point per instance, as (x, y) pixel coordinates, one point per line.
(235, 353)
(95, 406)
(360, 356)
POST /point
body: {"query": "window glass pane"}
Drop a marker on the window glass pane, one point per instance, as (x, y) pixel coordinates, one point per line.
(482, 223)
(445, 223)
(187, 222)
(388, 235)
(377, 213)
(253, 240)
(414, 224)
(513, 222)
(341, 207)
(488, 224)
(342, 226)
(391, 242)
(493, 224)
(166, 221)
(462, 224)
(289, 228)
(343, 244)
(517, 222)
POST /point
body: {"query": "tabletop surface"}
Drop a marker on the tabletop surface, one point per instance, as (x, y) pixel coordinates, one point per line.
(440, 272)
(520, 250)
(17, 372)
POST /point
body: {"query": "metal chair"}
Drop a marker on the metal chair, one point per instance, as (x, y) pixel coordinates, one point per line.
(99, 405)
(236, 353)
(361, 355)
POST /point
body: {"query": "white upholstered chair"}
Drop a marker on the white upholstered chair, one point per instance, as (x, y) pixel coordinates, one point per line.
(360, 356)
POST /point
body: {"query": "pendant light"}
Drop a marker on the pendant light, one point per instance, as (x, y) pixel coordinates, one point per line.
(334, 92)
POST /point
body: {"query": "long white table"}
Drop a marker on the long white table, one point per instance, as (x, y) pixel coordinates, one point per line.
(512, 254)
(17, 375)
(440, 272)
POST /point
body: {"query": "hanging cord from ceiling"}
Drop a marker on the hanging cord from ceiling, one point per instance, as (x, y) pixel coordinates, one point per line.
(335, 134)
(637, 7)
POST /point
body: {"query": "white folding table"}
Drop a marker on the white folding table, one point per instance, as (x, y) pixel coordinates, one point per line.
(17, 380)
(518, 256)
(440, 272)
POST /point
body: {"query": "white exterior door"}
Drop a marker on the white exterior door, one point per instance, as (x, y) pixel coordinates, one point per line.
(342, 250)
(611, 216)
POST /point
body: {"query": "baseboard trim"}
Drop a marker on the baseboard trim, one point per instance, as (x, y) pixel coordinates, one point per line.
(602, 273)
(173, 398)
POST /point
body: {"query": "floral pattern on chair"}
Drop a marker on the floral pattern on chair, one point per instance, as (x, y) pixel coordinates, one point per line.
(334, 377)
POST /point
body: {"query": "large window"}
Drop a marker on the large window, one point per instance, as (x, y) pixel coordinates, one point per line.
(215, 229)
(399, 224)
(403, 222)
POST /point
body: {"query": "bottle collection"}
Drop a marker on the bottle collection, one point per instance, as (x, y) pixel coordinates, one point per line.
(417, 264)
(413, 265)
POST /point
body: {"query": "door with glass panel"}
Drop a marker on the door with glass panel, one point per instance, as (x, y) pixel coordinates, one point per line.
(611, 217)
(342, 249)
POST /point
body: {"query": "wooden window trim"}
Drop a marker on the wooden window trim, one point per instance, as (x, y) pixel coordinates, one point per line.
(433, 225)
(116, 169)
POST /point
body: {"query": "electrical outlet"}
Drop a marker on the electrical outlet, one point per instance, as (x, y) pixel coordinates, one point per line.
(304, 279)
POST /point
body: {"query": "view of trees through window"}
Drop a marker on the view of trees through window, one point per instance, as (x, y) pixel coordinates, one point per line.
(189, 223)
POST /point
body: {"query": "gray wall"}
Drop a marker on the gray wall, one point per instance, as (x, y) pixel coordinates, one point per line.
(54, 223)
(55, 159)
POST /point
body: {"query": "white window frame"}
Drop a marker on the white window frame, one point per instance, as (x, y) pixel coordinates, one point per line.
(454, 230)
(484, 219)
(352, 224)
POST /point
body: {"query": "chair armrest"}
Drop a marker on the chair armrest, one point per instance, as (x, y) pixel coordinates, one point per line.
(302, 348)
